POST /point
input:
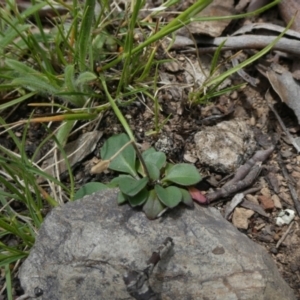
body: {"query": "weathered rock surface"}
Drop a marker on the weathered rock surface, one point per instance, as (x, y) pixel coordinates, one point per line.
(84, 248)
(226, 146)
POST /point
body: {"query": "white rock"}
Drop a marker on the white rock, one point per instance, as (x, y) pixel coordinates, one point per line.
(226, 146)
(285, 217)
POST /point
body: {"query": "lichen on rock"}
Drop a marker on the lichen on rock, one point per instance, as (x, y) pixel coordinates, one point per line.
(226, 146)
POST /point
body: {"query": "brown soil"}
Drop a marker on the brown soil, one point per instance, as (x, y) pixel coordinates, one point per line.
(177, 138)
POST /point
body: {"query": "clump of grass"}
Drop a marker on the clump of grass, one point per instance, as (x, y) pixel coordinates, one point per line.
(81, 65)
(22, 200)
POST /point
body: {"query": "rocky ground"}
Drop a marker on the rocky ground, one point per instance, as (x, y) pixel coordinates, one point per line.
(263, 114)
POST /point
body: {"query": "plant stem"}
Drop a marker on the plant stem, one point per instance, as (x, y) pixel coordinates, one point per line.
(120, 150)
(124, 123)
(138, 153)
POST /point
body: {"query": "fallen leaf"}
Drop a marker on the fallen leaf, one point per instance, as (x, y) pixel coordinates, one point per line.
(286, 87)
(197, 195)
(75, 151)
(277, 202)
(101, 166)
(211, 28)
(287, 10)
(231, 205)
(255, 207)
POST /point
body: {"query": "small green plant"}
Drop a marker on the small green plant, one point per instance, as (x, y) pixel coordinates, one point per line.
(149, 181)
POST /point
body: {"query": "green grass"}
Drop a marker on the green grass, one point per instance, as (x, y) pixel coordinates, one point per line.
(80, 66)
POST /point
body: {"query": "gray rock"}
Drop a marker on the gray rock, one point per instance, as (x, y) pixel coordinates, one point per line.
(84, 248)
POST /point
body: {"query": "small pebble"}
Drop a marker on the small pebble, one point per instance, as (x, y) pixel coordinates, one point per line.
(273, 250)
(265, 238)
(294, 268)
(276, 237)
(286, 153)
(234, 95)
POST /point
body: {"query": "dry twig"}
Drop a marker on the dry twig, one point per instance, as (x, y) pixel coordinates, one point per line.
(242, 171)
(249, 41)
(290, 185)
(226, 191)
(244, 177)
(269, 101)
(285, 235)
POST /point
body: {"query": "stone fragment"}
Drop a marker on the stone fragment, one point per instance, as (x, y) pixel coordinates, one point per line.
(273, 180)
(266, 202)
(286, 153)
(277, 202)
(252, 198)
(188, 157)
(296, 175)
(265, 238)
(164, 144)
(241, 216)
(226, 146)
(85, 247)
(285, 217)
(286, 196)
(266, 192)
(276, 237)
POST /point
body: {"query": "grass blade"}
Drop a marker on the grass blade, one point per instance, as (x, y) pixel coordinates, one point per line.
(8, 282)
(86, 32)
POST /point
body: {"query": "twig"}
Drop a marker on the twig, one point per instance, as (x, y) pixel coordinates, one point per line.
(246, 41)
(253, 81)
(252, 190)
(269, 99)
(249, 41)
(141, 159)
(226, 191)
(242, 171)
(290, 185)
(137, 282)
(23, 297)
(267, 27)
(285, 235)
